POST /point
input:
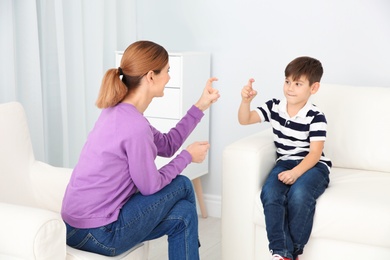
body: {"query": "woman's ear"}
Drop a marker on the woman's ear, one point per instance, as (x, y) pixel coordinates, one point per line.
(150, 76)
(315, 87)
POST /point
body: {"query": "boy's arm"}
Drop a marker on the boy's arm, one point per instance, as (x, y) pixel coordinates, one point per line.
(245, 115)
(311, 159)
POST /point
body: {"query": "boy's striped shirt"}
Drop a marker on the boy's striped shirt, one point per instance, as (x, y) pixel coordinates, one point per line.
(292, 136)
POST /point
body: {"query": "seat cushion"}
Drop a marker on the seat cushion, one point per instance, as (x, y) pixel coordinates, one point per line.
(354, 208)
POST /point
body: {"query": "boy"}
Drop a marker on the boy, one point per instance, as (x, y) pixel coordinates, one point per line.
(301, 172)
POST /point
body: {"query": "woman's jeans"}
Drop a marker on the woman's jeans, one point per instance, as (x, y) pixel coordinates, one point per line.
(289, 209)
(171, 211)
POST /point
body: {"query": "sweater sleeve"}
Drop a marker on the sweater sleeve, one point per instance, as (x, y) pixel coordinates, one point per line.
(144, 173)
(168, 143)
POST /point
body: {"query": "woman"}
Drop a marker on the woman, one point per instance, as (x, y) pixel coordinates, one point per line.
(116, 197)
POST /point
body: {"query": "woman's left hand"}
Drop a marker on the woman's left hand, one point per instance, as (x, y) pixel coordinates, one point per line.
(209, 96)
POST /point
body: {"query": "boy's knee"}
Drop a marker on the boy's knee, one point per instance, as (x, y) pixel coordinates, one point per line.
(300, 197)
(268, 195)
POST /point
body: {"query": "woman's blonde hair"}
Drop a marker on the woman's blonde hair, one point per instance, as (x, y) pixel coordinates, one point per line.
(137, 60)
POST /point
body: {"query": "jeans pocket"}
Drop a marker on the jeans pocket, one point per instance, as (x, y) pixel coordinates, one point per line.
(83, 239)
(91, 244)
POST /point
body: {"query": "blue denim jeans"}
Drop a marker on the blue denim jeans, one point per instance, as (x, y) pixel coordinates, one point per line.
(289, 209)
(171, 211)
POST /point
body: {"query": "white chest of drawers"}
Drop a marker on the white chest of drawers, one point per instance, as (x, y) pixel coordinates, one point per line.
(189, 72)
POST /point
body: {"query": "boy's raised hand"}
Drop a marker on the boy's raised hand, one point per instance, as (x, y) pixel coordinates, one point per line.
(246, 116)
(247, 92)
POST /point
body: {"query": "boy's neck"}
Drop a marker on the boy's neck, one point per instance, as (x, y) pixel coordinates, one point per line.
(293, 109)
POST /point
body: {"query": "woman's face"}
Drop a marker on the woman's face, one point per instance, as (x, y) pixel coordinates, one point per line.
(161, 80)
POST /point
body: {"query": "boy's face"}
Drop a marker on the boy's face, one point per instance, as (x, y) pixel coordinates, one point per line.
(299, 91)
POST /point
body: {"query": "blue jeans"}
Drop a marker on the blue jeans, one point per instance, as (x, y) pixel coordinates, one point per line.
(289, 209)
(171, 211)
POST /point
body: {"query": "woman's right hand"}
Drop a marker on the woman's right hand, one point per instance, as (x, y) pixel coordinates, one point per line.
(198, 151)
(210, 95)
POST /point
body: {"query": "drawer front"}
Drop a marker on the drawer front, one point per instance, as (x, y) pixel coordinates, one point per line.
(162, 125)
(167, 106)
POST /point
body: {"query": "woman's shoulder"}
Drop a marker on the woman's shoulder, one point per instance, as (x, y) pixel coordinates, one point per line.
(124, 117)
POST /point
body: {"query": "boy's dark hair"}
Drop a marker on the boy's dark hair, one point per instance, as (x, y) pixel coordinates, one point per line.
(305, 66)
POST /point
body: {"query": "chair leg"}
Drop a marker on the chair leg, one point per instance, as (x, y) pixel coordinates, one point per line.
(199, 195)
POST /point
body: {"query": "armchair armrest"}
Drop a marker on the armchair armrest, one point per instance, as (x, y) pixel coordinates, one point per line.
(246, 164)
(31, 233)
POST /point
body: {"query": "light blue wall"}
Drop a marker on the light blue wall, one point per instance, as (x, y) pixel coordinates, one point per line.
(257, 38)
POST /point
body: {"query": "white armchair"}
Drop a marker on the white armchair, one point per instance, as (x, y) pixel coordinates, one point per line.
(352, 216)
(30, 199)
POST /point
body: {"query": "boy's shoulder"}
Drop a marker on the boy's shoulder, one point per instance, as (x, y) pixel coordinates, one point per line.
(313, 109)
(315, 114)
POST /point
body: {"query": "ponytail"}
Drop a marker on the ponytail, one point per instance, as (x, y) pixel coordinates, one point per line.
(112, 90)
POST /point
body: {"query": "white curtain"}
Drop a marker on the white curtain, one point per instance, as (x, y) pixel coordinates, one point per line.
(53, 54)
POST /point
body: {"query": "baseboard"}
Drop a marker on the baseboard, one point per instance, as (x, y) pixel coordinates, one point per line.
(213, 205)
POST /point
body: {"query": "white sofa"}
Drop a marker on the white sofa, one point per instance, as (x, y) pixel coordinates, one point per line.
(30, 199)
(352, 219)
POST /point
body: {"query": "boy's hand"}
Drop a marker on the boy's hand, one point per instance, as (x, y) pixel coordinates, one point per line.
(247, 92)
(245, 115)
(287, 177)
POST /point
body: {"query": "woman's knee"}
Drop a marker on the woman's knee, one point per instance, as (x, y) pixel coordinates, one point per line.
(186, 182)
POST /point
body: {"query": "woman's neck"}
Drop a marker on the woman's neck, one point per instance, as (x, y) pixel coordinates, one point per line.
(139, 100)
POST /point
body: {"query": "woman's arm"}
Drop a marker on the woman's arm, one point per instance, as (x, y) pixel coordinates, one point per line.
(167, 144)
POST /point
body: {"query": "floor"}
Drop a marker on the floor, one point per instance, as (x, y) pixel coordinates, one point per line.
(210, 238)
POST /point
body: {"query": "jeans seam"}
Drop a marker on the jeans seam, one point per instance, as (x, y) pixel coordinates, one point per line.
(186, 235)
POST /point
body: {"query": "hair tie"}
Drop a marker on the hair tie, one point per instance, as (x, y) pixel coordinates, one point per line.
(120, 71)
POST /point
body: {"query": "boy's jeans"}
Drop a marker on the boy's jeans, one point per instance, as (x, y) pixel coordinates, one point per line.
(171, 211)
(289, 209)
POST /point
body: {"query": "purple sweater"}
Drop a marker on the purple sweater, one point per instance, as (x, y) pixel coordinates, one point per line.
(118, 160)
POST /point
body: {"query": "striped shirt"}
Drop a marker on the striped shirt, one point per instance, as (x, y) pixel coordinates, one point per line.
(292, 135)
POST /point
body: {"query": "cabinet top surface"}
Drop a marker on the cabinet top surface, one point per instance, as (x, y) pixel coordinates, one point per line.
(177, 53)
